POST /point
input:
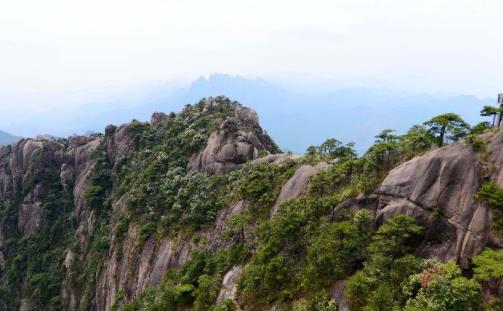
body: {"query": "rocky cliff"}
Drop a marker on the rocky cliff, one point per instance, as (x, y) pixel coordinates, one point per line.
(34, 170)
(196, 203)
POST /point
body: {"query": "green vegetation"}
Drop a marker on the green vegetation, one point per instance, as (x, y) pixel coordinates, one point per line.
(196, 284)
(84, 273)
(441, 287)
(378, 285)
(480, 128)
(290, 260)
(448, 126)
(293, 258)
(154, 175)
(490, 111)
(492, 195)
(489, 265)
(36, 270)
(333, 148)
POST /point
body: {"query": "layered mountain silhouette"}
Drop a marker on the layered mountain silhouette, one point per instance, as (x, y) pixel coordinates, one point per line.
(294, 119)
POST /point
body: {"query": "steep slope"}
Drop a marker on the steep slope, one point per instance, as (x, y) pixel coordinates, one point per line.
(75, 201)
(199, 210)
(445, 182)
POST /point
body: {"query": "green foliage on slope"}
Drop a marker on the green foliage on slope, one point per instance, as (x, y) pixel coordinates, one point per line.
(289, 260)
(441, 287)
(36, 270)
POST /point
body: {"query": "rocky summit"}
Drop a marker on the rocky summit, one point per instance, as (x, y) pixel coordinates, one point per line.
(200, 210)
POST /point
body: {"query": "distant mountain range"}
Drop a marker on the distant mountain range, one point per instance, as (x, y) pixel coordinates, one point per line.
(6, 138)
(294, 119)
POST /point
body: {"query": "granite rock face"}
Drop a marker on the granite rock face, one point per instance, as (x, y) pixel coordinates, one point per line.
(443, 181)
(20, 164)
(436, 188)
(239, 139)
(215, 234)
(229, 284)
(297, 184)
(130, 267)
(278, 158)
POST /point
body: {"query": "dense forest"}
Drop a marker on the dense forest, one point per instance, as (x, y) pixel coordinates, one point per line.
(200, 210)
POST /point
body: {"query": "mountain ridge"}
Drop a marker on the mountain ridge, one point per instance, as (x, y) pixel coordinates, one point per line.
(200, 209)
(281, 109)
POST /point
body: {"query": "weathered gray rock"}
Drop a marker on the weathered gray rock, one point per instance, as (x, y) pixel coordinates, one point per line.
(247, 116)
(443, 181)
(21, 164)
(297, 184)
(82, 164)
(215, 234)
(131, 268)
(278, 158)
(229, 284)
(158, 117)
(240, 139)
(67, 176)
(70, 257)
(31, 212)
(223, 152)
(119, 142)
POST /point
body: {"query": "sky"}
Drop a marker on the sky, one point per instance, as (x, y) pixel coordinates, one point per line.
(65, 52)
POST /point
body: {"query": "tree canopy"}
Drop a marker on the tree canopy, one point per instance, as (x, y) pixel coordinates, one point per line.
(442, 288)
(490, 111)
(333, 148)
(488, 265)
(447, 126)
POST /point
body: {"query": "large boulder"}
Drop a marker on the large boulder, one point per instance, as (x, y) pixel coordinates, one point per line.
(297, 184)
(438, 189)
(239, 139)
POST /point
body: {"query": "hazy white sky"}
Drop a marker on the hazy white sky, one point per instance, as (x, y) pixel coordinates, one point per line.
(63, 46)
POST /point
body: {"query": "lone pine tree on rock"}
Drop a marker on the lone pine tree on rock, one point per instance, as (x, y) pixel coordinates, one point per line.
(447, 125)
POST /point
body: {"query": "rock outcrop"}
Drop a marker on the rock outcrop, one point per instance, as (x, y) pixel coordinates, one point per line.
(215, 234)
(229, 284)
(297, 184)
(239, 139)
(440, 187)
(495, 158)
(437, 188)
(130, 266)
(278, 158)
(20, 164)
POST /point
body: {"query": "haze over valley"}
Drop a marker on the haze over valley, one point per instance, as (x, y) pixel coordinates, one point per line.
(296, 119)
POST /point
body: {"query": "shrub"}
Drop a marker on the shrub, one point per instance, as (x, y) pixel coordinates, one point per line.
(443, 288)
(491, 194)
